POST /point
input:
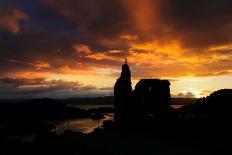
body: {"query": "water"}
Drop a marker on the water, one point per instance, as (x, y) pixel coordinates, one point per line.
(84, 125)
(177, 106)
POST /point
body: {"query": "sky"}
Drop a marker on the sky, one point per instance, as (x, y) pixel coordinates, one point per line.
(74, 48)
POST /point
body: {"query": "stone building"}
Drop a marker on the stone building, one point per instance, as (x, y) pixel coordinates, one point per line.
(122, 95)
(150, 96)
(153, 95)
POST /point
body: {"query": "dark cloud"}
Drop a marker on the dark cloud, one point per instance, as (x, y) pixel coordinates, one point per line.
(184, 95)
(10, 85)
(10, 18)
(201, 23)
(103, 21)
(45, 37)
(50, 35)
(100, 21)
(107, 88)
(16, 82)
(94, 16)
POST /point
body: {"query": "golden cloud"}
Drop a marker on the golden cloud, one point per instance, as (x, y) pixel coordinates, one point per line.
(82, 49)
(41, 65)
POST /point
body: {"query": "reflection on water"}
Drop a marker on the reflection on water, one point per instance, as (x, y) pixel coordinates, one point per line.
(177, 106)
(85, 125)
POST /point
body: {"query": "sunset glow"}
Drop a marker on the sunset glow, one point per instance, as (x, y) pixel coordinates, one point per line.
(77, 48)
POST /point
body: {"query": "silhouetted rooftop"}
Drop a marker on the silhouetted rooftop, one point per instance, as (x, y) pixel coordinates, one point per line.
(143, 82)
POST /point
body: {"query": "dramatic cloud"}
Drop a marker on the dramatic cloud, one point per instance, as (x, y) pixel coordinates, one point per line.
(162, 20)
(40, 85)
(10, 18)
(41, 65)
(174, 30)
(82, 49)
(88, 40)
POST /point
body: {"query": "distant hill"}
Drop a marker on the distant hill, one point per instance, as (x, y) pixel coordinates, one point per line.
(107, 100)
(183, 101)
(39, 109)
(90, 100)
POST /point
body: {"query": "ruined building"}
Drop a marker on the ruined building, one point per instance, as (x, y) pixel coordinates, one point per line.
(122, 95)
(151, 96)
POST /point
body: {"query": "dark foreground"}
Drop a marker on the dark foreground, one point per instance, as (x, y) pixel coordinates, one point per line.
(203, 128)
(160, 139)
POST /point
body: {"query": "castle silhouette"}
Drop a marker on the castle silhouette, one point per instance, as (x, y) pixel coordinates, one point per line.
(150, 98)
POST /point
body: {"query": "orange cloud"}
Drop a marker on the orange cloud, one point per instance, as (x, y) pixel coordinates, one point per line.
(9, 19)
(143, 14)
(98, 56)
(82, 49)
(41, 65)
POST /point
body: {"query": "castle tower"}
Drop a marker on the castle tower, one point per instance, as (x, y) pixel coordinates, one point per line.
(122, 95)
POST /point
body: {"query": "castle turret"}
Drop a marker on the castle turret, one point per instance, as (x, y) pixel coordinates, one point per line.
(122, 95)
